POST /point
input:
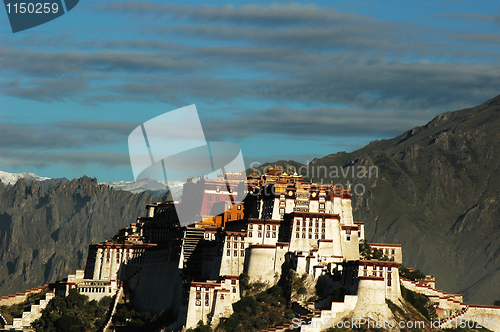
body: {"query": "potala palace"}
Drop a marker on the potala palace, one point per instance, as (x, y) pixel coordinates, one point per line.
(283, 223)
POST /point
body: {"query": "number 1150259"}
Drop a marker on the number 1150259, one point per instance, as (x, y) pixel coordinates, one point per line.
(32, 8)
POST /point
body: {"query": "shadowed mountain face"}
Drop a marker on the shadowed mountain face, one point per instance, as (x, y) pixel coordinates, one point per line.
(438, 194)
(44, 234)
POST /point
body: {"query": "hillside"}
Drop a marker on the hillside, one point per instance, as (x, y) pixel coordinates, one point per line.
(44, 234)
(438, 194)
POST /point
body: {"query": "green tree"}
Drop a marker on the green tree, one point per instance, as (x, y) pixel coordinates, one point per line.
(412, 275)
(366, 252)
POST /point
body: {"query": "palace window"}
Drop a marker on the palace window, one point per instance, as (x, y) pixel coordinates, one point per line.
(198, 296)
(267, 234)
(310, 224)
(242, 245)
(303, 235)
(310, 236)
(222, 296)
(310, 230)
(239, 207)
(228, 253)
(298, 223)
(348, 231)
(323, 224)
(268, 227)
(229, 245)
(234, 289)
(322, 230)
(250, 234)
(207, 296)
(260, 227)
(198, 289)
(322, 205)
(242, 253)
(317, 225)
(236, 253)
(235, 245)
(233, 282)
(348, 238)
(323, 236)
(303, 223)
(274, 234)
(393, 251)
(198, 303)
(206, 303)
(260, 234)
(316, 236)
(297, 235)
(274, 228)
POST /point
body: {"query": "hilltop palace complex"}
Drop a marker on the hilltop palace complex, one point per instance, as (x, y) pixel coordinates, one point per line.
(283, 223)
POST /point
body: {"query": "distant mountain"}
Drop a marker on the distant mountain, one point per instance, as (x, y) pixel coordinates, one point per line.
(154, 187)
(437, 193)
(11, 178)
(44, 234)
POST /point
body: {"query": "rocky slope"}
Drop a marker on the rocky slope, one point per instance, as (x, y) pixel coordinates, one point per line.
(44, 234)
(438, 193)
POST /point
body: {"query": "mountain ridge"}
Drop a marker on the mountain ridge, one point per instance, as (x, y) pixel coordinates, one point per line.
(435, 183)
(45, 233)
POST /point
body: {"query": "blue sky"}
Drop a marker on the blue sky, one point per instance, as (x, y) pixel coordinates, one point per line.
(283, 80)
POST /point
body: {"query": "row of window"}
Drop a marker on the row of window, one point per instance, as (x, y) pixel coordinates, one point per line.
(235, 238)
(309, 236)
(242, 253)
(93, 290)
(316, 230)
(235, 245)
(304, 224)
(259, 234)
(259, 227)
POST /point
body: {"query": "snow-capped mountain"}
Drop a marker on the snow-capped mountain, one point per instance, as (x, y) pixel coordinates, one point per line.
(149, 185)
(156, 188)
(11, 178)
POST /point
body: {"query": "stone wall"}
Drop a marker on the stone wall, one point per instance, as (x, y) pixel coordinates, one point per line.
(19, 297)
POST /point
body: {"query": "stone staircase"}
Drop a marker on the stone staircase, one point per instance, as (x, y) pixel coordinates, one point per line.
(452, 318)
(192, 253)
(3, 321)
(29, 317)
(118, 297)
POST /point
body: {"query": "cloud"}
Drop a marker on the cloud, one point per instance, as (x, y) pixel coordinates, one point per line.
(63, 135)
(272, 15)
(56, 63)
(276, 54)
(311, 124)
(77, 159)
